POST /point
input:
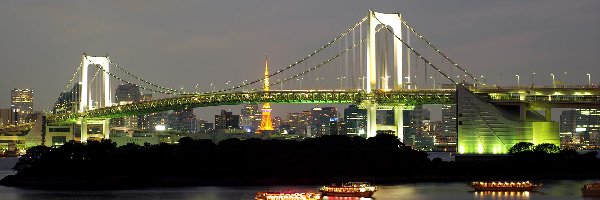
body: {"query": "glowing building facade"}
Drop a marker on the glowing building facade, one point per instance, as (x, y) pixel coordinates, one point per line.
(486, 128)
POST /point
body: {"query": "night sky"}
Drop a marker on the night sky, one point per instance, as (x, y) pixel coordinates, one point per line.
(184, 43)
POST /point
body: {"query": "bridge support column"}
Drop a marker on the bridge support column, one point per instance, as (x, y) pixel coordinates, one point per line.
(106, 128)
(523, 112)
(371, 121)
(58, 135)
(85, 123)
(548, 114)
(84, 130)
(399, 122)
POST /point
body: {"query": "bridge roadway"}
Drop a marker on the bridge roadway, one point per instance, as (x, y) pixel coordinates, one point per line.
(553, 97)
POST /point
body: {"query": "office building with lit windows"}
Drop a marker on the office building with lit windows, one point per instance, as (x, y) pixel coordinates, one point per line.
(21, 105)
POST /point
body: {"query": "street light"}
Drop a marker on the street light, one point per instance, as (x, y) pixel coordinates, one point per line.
(362, 82)
(341, 83)
(431, 77)
(589, 80)
(196, 88)
(553, 85)
(280, 84)
(213, 86)
(384, 84)
(483, 80)
(532, 79)
(518, 81)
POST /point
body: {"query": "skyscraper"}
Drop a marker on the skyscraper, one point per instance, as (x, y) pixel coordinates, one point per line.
(21, 105)
(265, 123)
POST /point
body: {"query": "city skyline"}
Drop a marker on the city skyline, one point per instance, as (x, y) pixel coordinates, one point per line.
(186, 38)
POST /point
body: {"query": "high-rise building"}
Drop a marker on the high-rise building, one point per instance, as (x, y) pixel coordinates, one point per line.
(448, 120)
(183, 120)
(580, 127)
(128, 93)
(125, 94)
(250, 117)
(265, 123)
(227, 120)
(6, 117)
(150, 120)
(205, 126)
(320, 123)
(68, 101)
(21, 105)
(356, 121)
(580, 120)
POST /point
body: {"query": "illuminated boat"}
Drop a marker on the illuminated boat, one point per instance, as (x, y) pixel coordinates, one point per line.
(287, 196)
(350, 189)
(592, 189)
(505, 186)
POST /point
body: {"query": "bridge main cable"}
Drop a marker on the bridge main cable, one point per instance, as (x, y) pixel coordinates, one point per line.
(130, 83)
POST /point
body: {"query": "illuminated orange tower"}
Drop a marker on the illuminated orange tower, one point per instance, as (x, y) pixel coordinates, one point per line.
(266, 124)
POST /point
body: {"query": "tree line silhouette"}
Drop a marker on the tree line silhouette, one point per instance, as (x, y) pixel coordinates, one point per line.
(382, 159)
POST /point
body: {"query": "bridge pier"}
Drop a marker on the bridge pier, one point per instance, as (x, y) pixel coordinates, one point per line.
(85, 129)
(373, 127)
(58, 134)
(399, 123)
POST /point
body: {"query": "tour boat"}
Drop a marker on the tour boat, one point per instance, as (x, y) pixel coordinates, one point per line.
(592, 189)
(350, 189)
(505, 186)
(287, 196)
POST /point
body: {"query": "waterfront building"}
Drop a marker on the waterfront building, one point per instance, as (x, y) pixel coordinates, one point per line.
(21, 105)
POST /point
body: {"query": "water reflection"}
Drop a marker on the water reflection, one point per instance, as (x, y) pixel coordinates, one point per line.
(500, 195)
(347, 198)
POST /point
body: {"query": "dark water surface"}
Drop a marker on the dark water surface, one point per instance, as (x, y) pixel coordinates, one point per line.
(552, 190)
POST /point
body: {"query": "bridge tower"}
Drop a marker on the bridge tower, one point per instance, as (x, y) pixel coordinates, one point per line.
(266, 124)
(394, 21)
(86, 102)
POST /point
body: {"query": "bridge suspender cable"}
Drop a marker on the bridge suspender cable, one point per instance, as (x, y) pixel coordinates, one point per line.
(322, 63)
(437, 50)
(417, 53)
(336, 39)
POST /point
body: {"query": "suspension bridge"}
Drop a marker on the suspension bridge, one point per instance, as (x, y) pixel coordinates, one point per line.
(379, 63)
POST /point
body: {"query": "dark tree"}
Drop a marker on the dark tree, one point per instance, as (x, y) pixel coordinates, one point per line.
(521, 147)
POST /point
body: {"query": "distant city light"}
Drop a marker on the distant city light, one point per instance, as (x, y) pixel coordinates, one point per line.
(160, 127)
